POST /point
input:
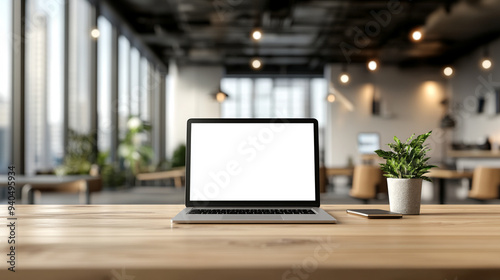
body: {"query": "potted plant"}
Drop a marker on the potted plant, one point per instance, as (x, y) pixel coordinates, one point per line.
(80, 154)
(405, 168)
(136, 154)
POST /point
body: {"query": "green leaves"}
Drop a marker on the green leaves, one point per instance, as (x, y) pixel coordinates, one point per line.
(407, 160)
(136, 154)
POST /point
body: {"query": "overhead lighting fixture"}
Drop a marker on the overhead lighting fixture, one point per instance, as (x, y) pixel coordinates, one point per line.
(257, 34)
(417, 35)
(486, 64)
(344, 78)
(486, 61)
(448, 71)
(372, 65)
(221, 96)
(330, 97)
(256, 64)
(95, 33)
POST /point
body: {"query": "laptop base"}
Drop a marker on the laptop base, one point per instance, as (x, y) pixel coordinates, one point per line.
(321, 217)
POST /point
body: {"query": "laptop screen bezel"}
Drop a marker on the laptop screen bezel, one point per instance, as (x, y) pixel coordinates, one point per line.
(240, 203)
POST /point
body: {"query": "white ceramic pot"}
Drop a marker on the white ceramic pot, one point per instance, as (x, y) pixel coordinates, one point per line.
(404, 195)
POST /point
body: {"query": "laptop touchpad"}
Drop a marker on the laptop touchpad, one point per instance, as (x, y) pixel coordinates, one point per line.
(252, 217)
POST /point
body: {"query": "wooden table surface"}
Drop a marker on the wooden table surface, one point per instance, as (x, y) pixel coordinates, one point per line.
(339, 171)
(44, 179)
(139, 242)
(473, 154)
(449, 174)
(444, 174)
(94, 183)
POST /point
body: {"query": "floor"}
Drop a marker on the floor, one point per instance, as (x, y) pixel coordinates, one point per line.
(338, 194)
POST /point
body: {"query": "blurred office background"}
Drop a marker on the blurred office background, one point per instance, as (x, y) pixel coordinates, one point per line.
(104, 88)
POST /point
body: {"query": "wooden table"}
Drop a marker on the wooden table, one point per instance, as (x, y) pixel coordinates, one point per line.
(176, 174)
(326, 172)
(444, 174)
(339, 171)
(21, 180)
(44, 179)
(139, 242)
(472, 154)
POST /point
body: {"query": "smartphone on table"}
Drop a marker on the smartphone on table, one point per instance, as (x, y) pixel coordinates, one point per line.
(375, 213)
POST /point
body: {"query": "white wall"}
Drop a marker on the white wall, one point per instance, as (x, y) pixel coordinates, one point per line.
(468, 83)
(190, 94)
(410, 104)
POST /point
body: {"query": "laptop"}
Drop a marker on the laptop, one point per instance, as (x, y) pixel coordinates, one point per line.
(252, 171)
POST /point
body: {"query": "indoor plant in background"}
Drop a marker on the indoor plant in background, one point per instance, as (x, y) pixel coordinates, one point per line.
(79, 155)
(405, 168)
(136, 153)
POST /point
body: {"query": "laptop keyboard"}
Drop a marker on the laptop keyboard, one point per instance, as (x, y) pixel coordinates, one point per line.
(252, 211)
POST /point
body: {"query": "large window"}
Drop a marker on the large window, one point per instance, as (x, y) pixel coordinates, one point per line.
(239, 104)
(123, 84)
(44, 84)
(262, 98)
(71, 82)
(5, 82)
(280, 97)
(135, 87)
(145, 90)
(104, 101)
(290, 98)
(80, 24)
(276, 98)
(318, 90)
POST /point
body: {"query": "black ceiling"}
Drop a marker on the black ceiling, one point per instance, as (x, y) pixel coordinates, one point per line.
(302, 34)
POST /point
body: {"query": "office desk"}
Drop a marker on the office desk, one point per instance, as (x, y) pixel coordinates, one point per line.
(326, 172)
(177, 175)
(94, 183)
(101, 242)
(444, 174)
(473, 154)
(44, 179)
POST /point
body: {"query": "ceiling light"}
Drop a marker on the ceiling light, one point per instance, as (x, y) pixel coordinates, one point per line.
(330, 97)
(220, 96)
(257, 35)
(256, 63)
(344, 78)
(95, 33)
(486, 63)
(448, 71)
(372, 65)
(417, 34)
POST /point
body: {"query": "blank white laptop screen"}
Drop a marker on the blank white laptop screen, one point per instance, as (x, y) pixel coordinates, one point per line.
(252, 162)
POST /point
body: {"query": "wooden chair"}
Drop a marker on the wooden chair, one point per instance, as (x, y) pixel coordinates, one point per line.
(485, 183)
(366, 182)
(82, 187)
